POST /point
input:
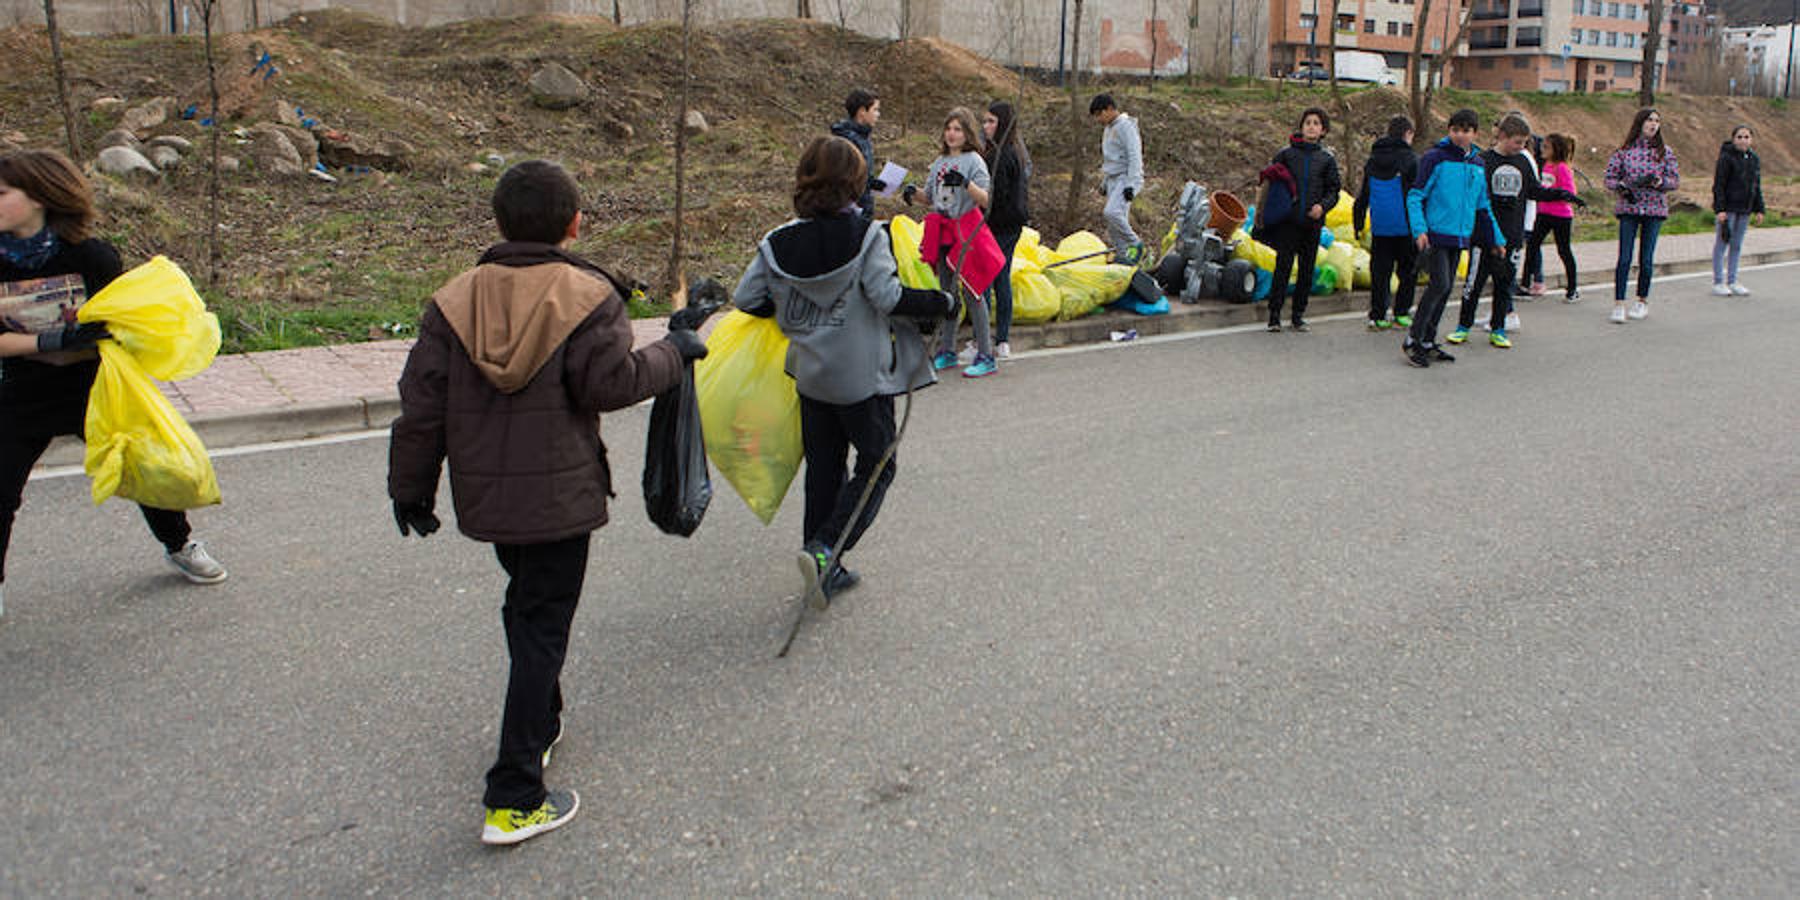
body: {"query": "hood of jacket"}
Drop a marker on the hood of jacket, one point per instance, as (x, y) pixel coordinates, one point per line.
(1389, 156)
(518, 306)
(818, 257)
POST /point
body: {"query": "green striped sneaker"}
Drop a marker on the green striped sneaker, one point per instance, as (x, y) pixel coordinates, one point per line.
(511, 826)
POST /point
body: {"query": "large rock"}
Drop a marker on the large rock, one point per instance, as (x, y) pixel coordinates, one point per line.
(338, 149)
(555, 87)
(125, 163)
(147, 115)
(119, 137)
(181, 144)
(695, 123)
(273, 152)
(304, 143)
(164, 156)
(107, 106)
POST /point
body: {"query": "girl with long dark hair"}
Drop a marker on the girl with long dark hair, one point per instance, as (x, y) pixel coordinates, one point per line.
(1643, 173)
(1009, 206)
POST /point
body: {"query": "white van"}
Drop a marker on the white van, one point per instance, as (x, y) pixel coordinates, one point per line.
(1362, 65)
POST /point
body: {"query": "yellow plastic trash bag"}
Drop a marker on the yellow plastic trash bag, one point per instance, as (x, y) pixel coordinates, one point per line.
(1341, 213)
(1259, 254)
(749, 410)
(1031, 251)
(1035, 298)
(1084, 287)
(1081, 243)
(138, 447)
(1360, 261)
(1344, 234)
(1341, 261)
(914, 273)
(155, 314)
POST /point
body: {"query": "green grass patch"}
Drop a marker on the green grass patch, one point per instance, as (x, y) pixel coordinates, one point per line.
(1686, 221)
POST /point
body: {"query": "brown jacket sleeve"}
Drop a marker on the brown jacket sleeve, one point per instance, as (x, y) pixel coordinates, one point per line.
(604, 373)
(416, 448)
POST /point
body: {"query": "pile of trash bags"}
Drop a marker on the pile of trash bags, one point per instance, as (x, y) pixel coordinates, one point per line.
(1042, 290)
(1342, 263)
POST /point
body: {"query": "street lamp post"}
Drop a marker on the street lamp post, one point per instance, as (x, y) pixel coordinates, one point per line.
(1787, 78)
(1062, 42)
(1312, 43)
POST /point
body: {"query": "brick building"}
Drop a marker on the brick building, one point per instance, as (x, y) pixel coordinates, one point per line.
(1298, 34)
(1558, 45)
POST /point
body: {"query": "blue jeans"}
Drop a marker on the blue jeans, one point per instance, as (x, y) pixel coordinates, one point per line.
(1738, 223)
(1641, 230)
(1002, 288)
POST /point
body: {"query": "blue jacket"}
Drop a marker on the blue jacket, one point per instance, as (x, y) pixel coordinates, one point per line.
(1451, 188)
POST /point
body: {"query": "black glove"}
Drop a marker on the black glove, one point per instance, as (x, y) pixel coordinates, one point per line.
(877, 185)
(953, 178)
(926, 303)
(1646, 180)
(1630, 197)
(907, 192)
(416, 516)
(688, 344)
(1130, 194)
(80, 336)
(1576, 199)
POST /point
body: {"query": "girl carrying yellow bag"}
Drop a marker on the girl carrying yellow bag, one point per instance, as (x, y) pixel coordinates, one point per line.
(51, 264)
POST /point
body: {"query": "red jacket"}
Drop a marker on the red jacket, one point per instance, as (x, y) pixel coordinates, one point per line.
(973, 250)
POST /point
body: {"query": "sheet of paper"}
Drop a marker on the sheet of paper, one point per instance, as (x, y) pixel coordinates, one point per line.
(892, 176)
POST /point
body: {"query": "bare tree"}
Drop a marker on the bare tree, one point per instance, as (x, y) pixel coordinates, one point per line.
(1423, 75)
(1652, 42)
(1415, 67)
(62, 80)
(1331, 50)
(1153, 11)
(803, 9)
(1077, 127)
(674, 280)
(617, 18)
(207, 9)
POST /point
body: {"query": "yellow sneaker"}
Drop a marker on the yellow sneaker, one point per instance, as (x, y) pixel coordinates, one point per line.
(510, 826)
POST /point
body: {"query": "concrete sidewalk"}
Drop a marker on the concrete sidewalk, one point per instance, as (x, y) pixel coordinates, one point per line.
(248, 398)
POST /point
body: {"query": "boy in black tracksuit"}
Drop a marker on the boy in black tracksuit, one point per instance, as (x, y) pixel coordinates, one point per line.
(1512, 181)
(1296, 241)
(1386, 177)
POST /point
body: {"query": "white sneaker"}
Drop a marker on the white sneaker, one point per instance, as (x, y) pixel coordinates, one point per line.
(967, 355)
(1003, 350)
(196, 565)
(1739, 290)
(1720, 289)
(1618, 315)
(1639, 310)
(1512, 322)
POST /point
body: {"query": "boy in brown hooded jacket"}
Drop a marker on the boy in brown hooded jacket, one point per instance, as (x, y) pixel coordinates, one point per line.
(515, 360)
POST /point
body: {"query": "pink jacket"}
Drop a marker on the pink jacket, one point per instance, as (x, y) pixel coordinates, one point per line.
(1557, 175)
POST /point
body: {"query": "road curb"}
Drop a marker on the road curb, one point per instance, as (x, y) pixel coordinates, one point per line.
(303, 421)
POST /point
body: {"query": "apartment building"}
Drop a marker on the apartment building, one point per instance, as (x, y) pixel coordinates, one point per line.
(1693, 45)
(1769, 59)
(1558, 45)
(1299, 34)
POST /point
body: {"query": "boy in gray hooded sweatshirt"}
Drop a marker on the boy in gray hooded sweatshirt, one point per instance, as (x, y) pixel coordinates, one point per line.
(1122, 164)
(830, 280)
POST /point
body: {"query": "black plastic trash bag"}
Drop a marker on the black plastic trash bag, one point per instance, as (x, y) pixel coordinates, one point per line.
(677, 487)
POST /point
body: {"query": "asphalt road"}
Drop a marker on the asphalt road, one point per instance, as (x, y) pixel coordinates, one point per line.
(1243, 614)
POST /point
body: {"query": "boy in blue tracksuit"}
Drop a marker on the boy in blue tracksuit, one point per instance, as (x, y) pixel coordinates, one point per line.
(1447, 195)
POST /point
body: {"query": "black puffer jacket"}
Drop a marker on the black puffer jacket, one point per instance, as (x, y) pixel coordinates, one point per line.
(1737, 181)
(1316, 171)
(1009, 208)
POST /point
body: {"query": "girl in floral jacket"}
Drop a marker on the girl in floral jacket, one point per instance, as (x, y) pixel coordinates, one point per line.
(1643, 173)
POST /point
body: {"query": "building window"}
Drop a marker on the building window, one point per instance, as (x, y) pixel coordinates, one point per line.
(1406, 30)
(1599, 68)
(1521, 62)
(1486, 62)
(1612, 39)
(1393, 28)
(1612, 10)
(1624, 69)
(1307, 21)
(1556, 62)
(1368, 26)
(1529, 36)
(1593, 37)
(1575, 36)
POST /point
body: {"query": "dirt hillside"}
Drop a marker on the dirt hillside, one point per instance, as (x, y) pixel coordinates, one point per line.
(427, 118)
